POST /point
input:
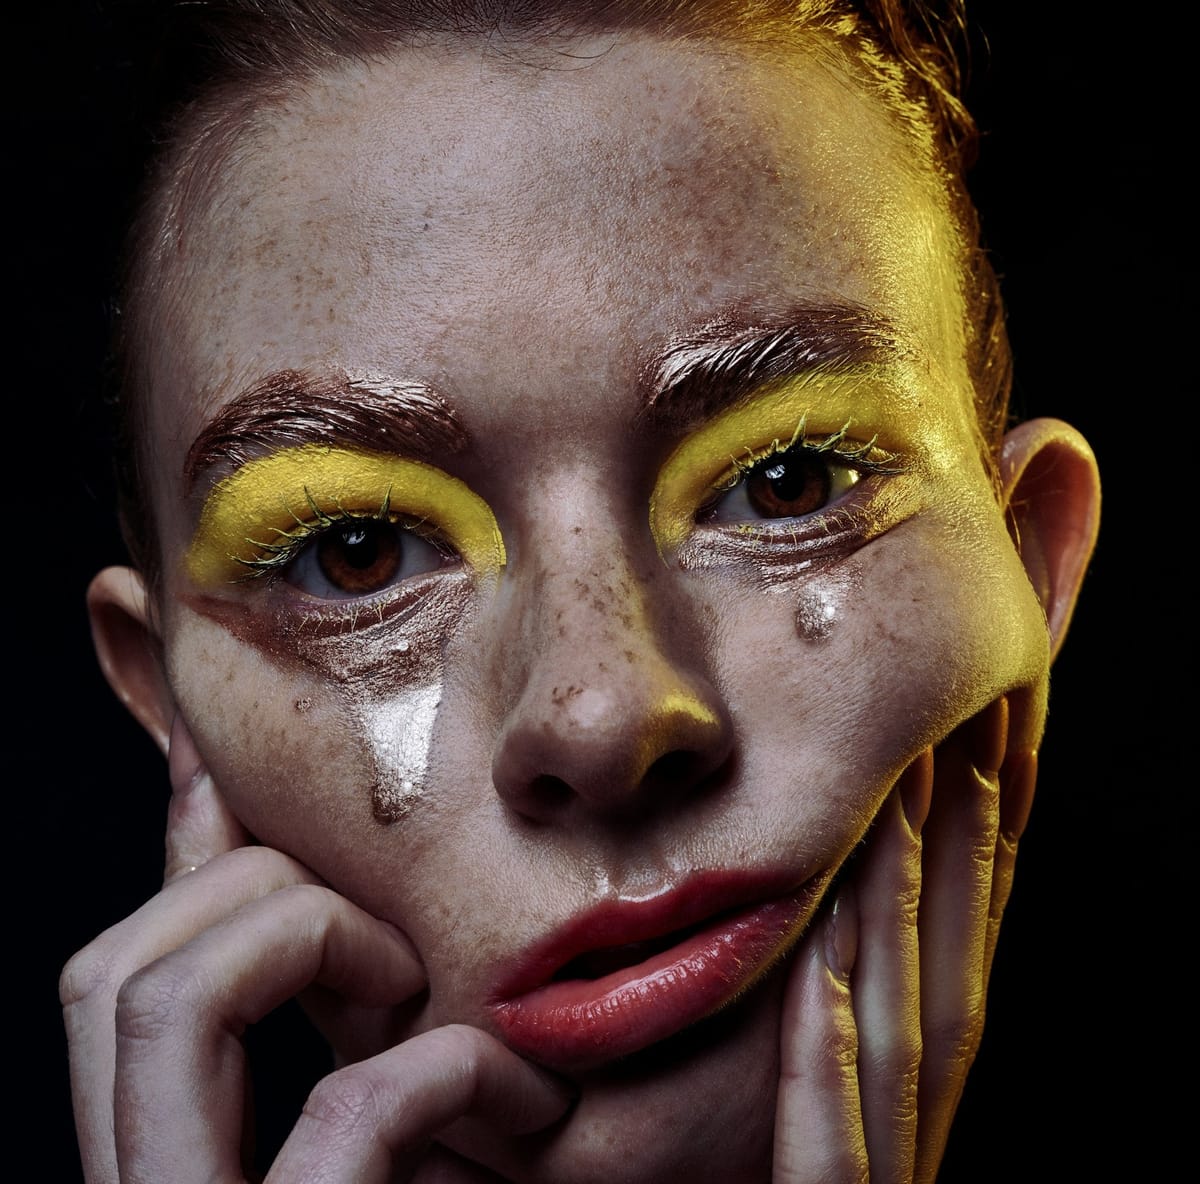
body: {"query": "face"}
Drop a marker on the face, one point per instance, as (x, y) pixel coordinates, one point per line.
(573, 523)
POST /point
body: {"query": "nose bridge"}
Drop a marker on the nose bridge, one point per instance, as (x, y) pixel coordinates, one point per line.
(602, 709)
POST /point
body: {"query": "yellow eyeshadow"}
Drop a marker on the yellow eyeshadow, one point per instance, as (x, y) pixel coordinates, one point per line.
(265, 499)
(707, 459)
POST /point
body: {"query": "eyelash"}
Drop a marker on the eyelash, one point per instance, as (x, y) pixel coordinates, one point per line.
(275, 558)
(864, 457)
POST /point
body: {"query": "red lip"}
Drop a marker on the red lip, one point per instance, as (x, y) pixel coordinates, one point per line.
(704, 943)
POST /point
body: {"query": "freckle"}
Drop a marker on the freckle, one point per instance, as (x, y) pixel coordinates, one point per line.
(303, 704)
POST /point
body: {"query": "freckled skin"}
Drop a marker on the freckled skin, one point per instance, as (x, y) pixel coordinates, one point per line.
(521, 238)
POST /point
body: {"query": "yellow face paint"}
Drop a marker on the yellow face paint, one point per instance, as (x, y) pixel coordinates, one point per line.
(778, 416)
(265, 500)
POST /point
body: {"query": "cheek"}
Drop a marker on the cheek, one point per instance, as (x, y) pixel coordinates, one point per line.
(838, 677)
(281, 746)
(331, 758)
(330, 767)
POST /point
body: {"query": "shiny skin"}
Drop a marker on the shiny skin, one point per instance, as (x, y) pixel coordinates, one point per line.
(386, 220)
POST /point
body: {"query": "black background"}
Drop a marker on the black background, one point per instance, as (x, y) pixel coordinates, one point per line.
(1075, 184)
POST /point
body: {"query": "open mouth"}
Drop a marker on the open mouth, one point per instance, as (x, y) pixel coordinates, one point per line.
(584, 997)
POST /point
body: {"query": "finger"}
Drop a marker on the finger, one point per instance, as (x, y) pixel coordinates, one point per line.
(371, 1123)
(886, 980)
(818, 1117)
(91, 980)
(959, 841)
(180, 1062)
(200, 826)
(1018, 779)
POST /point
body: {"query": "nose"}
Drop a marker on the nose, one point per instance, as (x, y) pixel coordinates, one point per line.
(607, 716)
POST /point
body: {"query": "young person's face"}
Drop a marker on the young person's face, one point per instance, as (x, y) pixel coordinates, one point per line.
(662, 675)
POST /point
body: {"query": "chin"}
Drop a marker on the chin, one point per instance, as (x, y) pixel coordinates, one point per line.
(697, 1107)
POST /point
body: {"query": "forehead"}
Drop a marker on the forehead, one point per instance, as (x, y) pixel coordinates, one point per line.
(498, 225)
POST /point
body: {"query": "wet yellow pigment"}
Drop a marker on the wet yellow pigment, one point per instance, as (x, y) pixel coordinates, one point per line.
(266, 498)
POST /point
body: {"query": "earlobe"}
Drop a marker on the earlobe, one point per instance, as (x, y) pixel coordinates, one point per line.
(127, 645)
(1051, 497)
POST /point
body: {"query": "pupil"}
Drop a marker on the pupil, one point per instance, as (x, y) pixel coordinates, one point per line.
(789, 486)
(789, 479)
(360, 544)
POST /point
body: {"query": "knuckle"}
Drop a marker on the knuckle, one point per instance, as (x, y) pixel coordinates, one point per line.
(908, 903)
(153, 1001)
(258, 870)
(314, 904)
(88, 973)
(461, 1049)
(344, 1102)
(900, 1061)
(834, 1062)
(957, 1039)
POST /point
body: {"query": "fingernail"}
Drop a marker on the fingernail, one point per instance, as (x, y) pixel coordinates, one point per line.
(841, 941)
(916, 791)
(1018, 780)
(988, 736)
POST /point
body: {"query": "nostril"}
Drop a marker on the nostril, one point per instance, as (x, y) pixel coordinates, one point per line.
(549, 790)
(673, 766)
(677, 768)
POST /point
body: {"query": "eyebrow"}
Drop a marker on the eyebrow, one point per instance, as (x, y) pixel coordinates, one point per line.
(726, 360)
(288, 408)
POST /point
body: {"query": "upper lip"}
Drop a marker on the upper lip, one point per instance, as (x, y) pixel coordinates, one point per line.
(612, 924)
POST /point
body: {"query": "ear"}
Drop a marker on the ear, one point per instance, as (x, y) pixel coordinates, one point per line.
(130, 652)
(1051, 497)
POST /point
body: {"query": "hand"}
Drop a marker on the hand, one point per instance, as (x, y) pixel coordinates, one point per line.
(155, 1008)
(885, 1002)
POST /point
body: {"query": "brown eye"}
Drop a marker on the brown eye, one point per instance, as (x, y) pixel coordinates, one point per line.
(789, 486)
(792, 484)
(360, 556)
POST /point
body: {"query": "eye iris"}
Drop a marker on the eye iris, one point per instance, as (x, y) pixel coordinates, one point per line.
(789, 486)
(360, 557)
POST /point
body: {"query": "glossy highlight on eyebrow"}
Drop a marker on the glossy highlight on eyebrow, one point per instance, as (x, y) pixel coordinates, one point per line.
(811, 410)
(727, 360)
(265, 500)
(289, 408)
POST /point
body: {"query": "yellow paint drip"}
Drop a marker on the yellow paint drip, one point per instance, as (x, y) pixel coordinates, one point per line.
(267, 498)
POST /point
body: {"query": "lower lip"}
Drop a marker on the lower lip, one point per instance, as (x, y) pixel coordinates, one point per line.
(582, 1023)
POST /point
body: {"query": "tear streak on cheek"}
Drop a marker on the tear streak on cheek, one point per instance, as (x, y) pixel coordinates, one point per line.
(822, 601)
(386, 680)
(398, 731)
